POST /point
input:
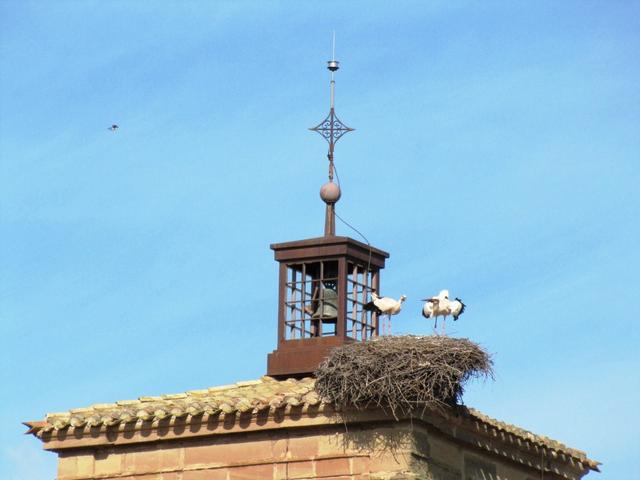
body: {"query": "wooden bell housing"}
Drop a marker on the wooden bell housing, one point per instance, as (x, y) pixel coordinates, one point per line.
(323, 285)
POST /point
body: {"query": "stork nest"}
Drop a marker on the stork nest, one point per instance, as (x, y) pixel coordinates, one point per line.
(402, 374)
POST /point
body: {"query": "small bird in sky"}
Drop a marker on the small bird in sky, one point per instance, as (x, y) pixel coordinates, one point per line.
(441, 306)
(113, 127)
(385, 306)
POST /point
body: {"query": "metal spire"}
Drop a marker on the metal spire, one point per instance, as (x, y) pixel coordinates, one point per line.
(331, 129)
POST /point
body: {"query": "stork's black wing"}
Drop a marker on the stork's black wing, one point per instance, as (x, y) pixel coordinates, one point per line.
(371, 307)
(461, 309)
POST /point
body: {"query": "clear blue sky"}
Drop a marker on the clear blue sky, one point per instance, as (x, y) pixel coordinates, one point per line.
(496, 154)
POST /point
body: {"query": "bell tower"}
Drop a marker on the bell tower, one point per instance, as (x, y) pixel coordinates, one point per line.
(324, 282)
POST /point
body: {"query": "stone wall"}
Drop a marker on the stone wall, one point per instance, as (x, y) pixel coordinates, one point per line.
(376, 452)
(274, 455)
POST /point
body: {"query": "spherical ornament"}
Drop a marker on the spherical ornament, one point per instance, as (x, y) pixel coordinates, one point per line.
(330, 192)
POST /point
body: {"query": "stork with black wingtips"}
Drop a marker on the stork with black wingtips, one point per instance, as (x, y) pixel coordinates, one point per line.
(441, 306)
(385, 306)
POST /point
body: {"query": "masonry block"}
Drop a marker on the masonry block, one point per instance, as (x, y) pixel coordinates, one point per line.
(446, 452)
(171, 476)
(107, 463)
(66, 467)
(299, 470)
(252, 472)
(341, 477)
(84, 464)
(388, 462)
(215, 474)
(151, 460)
(303, 447)
(332, 467)
(280, 471)
(222, 452)
(331, 444)
(360, 465)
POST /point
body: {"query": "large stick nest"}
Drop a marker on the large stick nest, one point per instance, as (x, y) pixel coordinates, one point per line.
(401, 374)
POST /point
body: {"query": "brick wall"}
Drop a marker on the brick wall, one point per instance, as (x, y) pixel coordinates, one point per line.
(391, 451)
(318, 453)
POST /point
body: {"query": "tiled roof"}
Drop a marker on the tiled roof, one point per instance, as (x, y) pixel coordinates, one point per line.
(539, 440)
(249, 397)
(241, 397)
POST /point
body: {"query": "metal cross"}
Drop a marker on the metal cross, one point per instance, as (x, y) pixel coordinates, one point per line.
(331, 128)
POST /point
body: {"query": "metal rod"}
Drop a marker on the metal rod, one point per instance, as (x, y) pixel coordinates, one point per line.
(303, 293)
(365, 289)
(342, 297)
(282, 308)
(333, 91)
(330, 220)
(321, 297)
(354, 298)
(292, 310)
(333, 47)
(375, 284)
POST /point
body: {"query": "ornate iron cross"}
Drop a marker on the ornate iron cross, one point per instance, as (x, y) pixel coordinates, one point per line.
(331, 128)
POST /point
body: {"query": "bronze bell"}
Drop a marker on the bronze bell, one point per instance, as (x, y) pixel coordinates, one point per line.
(328, 308)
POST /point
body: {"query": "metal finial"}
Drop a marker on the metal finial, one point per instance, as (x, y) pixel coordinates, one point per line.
(331, 129)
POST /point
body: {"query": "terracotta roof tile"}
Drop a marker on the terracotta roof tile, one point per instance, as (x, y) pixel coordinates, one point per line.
(242, 397)
(532, 437)
(253, 396)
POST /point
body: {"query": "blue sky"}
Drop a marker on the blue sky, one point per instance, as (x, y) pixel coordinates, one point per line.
(496, 154)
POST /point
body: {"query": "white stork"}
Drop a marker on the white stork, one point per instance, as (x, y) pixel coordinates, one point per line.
(385, 306)
(441, 306)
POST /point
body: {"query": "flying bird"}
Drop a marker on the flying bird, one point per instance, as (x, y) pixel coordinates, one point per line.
(113, 127)
(385, 306)
(441, 306)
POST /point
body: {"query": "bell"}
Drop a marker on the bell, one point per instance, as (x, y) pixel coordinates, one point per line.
(329, 307)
